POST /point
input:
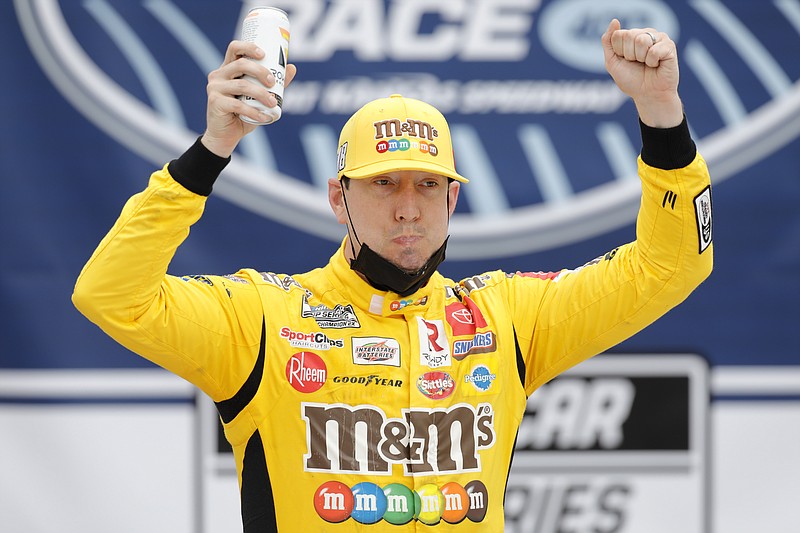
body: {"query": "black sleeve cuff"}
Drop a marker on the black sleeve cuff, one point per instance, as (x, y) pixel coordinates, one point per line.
(667, 148)
(197, 169)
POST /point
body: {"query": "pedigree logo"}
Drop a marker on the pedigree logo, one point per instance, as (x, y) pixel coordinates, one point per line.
(306, 372)
(396, 504)
(481, 378)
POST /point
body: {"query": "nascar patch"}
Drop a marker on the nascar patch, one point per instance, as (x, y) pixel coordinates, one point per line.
(702, 211)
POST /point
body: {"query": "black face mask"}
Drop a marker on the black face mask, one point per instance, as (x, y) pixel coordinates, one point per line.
(386, 276)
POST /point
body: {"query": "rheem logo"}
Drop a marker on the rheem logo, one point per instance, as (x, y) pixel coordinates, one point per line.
(306, 372)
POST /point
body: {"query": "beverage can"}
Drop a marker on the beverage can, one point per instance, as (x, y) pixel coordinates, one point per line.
(268, 27)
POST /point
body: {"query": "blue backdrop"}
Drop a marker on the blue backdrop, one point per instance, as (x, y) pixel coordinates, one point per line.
(97, 94)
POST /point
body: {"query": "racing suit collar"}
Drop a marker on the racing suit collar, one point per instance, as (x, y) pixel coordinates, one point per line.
(377, 302)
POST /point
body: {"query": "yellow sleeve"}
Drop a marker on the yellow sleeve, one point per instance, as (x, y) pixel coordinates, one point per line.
(205, 329)
(565, 318)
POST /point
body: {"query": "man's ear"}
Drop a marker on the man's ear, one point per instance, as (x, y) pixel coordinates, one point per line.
(336, 200)
(452, 191)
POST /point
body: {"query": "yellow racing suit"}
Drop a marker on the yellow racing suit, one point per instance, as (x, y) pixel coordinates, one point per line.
(353, 409)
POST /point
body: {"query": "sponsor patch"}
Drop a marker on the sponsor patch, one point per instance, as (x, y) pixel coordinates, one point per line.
(306, 372)
(373, 380)
(396, 305)
(481, 378)
(421, 439)
(311, 340)
(376, 351)
(397, 504)
(283, 281)
(202, 279)
(464, 317)
(341, 316)
(434, 348)
(479, 343)
(436, 385)
(466, 286)
(702, 210)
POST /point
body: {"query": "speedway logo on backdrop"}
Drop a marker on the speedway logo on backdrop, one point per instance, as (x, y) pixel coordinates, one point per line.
(549, 141)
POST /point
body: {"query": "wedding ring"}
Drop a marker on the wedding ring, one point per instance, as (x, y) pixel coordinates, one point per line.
(652, 37)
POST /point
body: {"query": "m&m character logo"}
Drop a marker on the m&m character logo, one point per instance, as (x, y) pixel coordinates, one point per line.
(396, 504)
(333, 501)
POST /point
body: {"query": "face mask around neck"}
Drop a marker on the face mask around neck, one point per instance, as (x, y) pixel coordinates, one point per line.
(386, 276)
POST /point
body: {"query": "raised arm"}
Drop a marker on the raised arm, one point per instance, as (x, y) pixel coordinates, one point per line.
(563, 318)
(224, 129)
(644, 65)
(200, 328)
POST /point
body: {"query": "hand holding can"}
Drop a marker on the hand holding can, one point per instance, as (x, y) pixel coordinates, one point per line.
(268, 27)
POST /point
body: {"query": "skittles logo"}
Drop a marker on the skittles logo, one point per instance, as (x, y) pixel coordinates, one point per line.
(436, 385)
(396, 504)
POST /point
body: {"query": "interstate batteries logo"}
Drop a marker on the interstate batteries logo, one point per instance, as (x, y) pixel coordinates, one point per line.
(376, 351)
(549, 139)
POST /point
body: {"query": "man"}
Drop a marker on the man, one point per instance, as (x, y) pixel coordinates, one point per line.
(373, 390)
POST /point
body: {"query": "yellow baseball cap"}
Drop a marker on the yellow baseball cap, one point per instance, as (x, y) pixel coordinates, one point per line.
(396, 133)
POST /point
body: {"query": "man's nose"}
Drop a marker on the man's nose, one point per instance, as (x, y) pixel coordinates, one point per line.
(407, 207)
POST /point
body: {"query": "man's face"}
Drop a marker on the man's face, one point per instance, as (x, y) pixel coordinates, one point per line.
(402, 216)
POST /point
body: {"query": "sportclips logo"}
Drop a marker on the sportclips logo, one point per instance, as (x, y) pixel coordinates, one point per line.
(499, 119)
(421, 441)
(396, 504)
